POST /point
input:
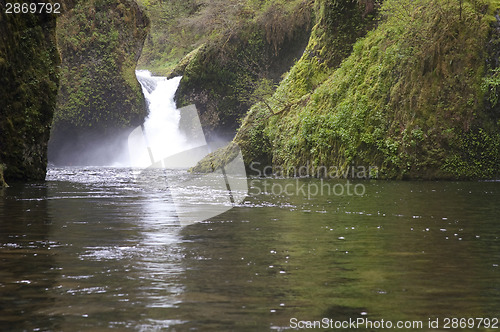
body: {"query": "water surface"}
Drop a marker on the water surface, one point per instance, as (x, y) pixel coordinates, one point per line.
(90, 249)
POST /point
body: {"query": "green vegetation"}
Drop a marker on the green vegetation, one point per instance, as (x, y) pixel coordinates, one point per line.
(417, 97)
(28, 88)
(100, 42)
(409, 86)
(170, 37)
(258, 45)
(224, 50)
(338, 25)
(179, 27)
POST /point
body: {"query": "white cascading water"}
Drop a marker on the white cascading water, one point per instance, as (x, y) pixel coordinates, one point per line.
(161, 144)
(161, 127)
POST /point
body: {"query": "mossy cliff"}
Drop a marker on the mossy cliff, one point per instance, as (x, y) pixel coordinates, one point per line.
(417, 97)
(28, 90)
(99, 97)
(260, 43)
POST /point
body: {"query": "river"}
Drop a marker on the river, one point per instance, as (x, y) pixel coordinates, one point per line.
(91, 249)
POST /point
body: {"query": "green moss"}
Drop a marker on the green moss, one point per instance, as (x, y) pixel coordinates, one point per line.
(478, 155)
(338, 25)
(217, 159)
(221, 75)
(180, 67)
(393, 102)
(28, 89)
(100, 43)
(416, 97)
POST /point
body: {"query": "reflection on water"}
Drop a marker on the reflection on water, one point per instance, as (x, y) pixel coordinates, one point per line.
(91, 250)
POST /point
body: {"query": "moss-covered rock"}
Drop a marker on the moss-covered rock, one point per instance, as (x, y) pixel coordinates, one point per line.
(99, 96)
(219, 77)
(28, 90)
(403, 101)
(338, 26)
(417, 97)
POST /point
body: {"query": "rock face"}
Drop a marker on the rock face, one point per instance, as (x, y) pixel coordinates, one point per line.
(336, 28)
(99, 98)
(29, 63)
(416, 98)
(220, 76)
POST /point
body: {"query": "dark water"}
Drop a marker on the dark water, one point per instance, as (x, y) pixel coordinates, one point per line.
(90, 250)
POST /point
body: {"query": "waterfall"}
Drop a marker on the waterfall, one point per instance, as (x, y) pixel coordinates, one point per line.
(161, 127)
(173, 139)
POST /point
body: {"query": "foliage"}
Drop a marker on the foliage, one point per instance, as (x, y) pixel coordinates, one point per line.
(238, 57)
(179, 27)
(409, 98)
(491, 85)
(479, 155)
(327, 48)
(170, 37)
(98, 64)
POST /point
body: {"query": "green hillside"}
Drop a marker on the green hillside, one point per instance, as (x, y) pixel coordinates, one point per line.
(416, 98)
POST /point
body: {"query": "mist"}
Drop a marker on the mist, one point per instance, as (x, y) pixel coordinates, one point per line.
(164, 133)
(91, 149)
